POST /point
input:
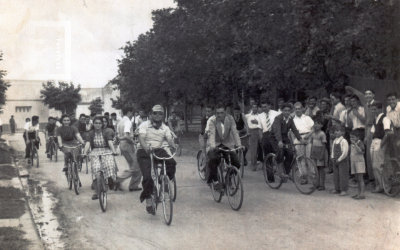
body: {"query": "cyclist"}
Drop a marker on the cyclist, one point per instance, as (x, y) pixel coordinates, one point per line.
(222, 134)
(101, 141)
(283, 123)
(152, 133)
(174, 123)
(31, 133)
(242, 127)
(68, 135)
(49, 131)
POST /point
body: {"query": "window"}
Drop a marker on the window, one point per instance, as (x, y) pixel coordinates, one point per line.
(23, 109)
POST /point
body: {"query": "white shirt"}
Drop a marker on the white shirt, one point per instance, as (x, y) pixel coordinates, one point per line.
(304, 124)
(357, 122)
(271, 114)
(154, 137)
(343, 117)
(124, 126)
(1, 122)
(343, 145)
(115, 122)
(386, 123)
(339, 107)
(58, 124)
(28, 126)
(251, 117)
(394, 115)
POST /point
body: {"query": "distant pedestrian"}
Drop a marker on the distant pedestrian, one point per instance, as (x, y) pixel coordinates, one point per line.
(12, 125)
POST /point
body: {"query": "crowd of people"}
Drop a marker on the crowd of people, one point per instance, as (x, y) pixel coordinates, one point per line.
(349, 140)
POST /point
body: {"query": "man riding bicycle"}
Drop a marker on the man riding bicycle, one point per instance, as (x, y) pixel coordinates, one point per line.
(50, 128)
(222, 134)
(31, 133)
(283, 123)
(152, 133)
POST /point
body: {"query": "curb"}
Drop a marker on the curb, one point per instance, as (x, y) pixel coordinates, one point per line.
(26, 220)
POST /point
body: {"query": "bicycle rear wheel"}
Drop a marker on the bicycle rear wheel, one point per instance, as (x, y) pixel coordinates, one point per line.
(201, 165)
(305, 175)
(35, 157)
(51, 151)
(217, 194)
(76, 178)
(102, 191)
(391, 177)
(173, 187)
(87, 167)
(241, 161)
(272, 172)
(234, 188)
(167, 199)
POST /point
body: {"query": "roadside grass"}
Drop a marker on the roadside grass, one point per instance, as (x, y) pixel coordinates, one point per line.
(12, 204)
(12, 239)
(7, 172)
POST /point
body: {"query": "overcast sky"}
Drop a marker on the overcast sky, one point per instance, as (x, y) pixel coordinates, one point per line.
(70, 40)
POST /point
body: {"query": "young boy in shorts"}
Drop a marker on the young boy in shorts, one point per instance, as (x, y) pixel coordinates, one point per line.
(357, 162)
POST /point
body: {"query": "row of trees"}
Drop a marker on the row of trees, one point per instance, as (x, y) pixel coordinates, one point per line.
(3, 84)
(215, 50)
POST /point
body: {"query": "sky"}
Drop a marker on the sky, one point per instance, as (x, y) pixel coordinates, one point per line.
(70, 40)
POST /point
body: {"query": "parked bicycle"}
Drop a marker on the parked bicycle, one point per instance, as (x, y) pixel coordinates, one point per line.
(72, 170)
(163, 192)
(304, 172)
(231, 181)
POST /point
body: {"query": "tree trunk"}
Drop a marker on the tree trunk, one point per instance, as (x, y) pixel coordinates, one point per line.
(191, 114)
(185, 114)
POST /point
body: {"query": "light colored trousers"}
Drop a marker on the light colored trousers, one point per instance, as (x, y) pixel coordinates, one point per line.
(128, 151)
(253, 141)
(378, 160)
(368, 159)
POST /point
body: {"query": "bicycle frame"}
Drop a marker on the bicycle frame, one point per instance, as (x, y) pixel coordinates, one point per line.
(154, 171)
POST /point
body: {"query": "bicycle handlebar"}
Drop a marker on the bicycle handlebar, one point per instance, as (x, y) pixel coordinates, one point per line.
(230, 150)
(163, 158)
(102, 154)
(72, 147)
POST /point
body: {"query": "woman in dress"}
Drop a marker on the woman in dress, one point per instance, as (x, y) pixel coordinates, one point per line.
(107, 124)
(69, 136)
(101, 141)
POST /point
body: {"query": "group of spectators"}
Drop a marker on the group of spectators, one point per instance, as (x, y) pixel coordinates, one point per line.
(348, 139)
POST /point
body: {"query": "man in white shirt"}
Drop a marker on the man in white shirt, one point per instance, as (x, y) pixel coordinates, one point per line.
(125, 136)
(312, 107)
(267, 118)
(357, 115)
(254, 125)
(338, 107)
(304, 125)
(115, 119)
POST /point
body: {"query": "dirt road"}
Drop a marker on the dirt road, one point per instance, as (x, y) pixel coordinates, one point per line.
(268, 219)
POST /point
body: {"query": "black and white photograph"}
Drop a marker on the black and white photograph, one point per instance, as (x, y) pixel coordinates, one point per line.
(199, 124)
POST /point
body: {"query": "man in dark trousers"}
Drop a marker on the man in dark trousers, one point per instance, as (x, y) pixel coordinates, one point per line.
(12, 125)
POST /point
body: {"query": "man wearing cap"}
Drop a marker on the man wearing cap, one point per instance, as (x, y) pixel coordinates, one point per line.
(152, 134)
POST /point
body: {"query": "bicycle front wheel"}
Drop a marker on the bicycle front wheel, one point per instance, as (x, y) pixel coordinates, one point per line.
(391, 177)
(201, 165)
(51, 151)
(69, 175)
(102, 191)
(234, 188)
(305, 175)
(76, 178)
(272, 172)
(55, 152)
(35, 157)
(167, 200)
(217, 194)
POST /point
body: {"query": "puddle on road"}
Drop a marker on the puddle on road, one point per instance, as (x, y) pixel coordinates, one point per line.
(42, 204)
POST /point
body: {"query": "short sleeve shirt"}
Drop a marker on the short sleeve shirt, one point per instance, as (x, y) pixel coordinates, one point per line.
(153, 136)
(394, 115)
(67, 133)
(357, 123)
(28, 126)
(304, 124)
(251, 117)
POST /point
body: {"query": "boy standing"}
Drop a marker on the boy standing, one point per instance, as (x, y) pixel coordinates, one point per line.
(340, 149)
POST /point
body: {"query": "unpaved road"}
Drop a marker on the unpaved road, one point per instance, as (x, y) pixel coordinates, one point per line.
(268, 219)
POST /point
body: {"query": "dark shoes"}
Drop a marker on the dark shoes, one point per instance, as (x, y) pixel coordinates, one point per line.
(320, 188)
(217, 186)
(378, 191)
(65, 169)
(117, 186)
(95, 197)
(359, 197)
(245, 162)
(29, 161)
(135, 189)
(110, 183)
(151, 210)
(48, 156)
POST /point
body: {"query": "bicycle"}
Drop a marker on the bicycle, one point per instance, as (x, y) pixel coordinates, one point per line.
(81, 160)
(34, 157)
(53, 148)
(391, 177)
(72, 171)
(202, 167)
(102, 184)
(162, 193)
(304, 172)
(231, 183)
(177, 138)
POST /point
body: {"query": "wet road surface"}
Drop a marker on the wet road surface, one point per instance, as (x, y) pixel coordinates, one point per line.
(268, 219)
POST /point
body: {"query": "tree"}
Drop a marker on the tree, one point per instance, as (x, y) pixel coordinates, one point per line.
(96, 106)
(64, 97)
(3, 85)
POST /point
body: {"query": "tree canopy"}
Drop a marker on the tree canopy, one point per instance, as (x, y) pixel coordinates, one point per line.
(3, 84)
(64, 97)
(96, 106)
(214, 50)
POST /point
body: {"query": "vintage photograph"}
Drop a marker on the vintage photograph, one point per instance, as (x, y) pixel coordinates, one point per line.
(199, 124)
